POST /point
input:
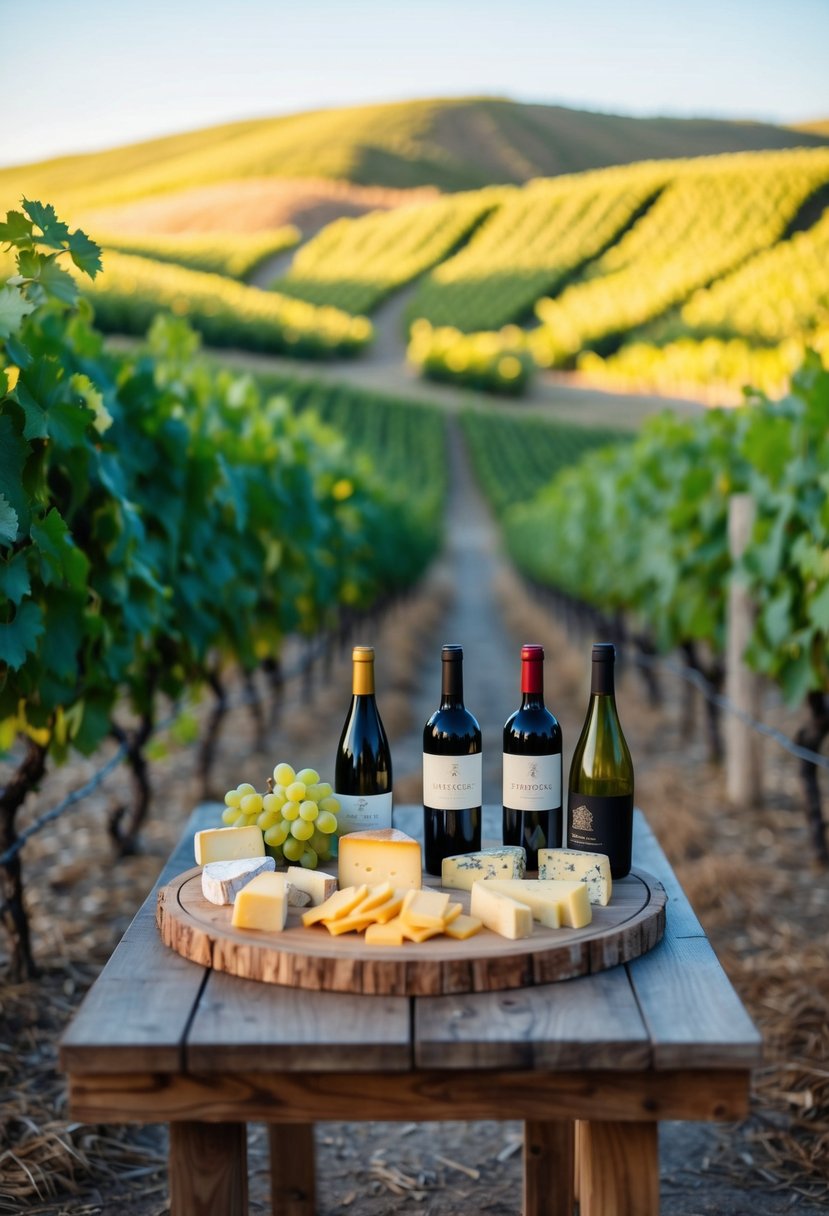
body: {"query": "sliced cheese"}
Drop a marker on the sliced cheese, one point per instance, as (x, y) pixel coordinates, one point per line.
(221, 881)
(463, 927)
(228, 844)
(452, 913)
(553, 902)
(593, 869)
(318, 885)
(341, 903)
(377, 895)
(424, 909)
(388, 934)
(461, 871)
(500, 913)
(262, 904)
(380, 855)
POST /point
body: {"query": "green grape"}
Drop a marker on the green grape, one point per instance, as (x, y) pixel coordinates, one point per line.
(327, 823)
(329, 804)
(277, 835)
(252, 820)
(251, 804)
(308, 859)
(308, 776)
(319, 842)
(229, 815)
(267, 819)
(295, 792)
(279, 791)
(283, 774)
(272, 802)
(314, 792)
(325, 790)
(293, 848)
(309, 810)
(232, 798)
(290, 811)
(302, 829)
(241, 819)
(245, 788)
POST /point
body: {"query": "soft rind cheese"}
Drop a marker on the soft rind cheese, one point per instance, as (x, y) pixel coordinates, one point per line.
(593, 869)
(380, 855)
(221, 881)
(318, 885)
(501, 913)
(461, 871)
(228, 844)
(262, 904)
(553, 902)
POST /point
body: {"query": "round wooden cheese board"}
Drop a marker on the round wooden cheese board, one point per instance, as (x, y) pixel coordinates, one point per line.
(632, 923)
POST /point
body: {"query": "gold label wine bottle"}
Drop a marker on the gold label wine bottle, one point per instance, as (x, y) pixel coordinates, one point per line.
(532, 765)
(452, 771)
(600, 790)
(362, 771)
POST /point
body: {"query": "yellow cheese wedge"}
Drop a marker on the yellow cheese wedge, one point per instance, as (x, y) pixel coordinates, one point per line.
(501, 913)
(262, 904)
(228, 844)
(463, 927)
(338, 904)
(318, 885)
(380, 855)
(388, 934)
(553, 903)
(425, 909)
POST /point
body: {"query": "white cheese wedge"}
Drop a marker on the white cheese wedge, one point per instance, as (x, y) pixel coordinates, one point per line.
(228, 844)
(461, 871)
(315, 883)
(500, 913)
(549, 899)
(593, 869)
(221, 881)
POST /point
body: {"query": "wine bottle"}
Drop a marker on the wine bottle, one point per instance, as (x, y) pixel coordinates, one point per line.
(452, 771)
(532, 765)
(600, 790)
(362, 771)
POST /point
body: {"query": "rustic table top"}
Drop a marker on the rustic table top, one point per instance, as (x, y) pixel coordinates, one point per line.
(152, 1010)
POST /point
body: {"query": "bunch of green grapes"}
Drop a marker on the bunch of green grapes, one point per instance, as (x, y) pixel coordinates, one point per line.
(298, 815)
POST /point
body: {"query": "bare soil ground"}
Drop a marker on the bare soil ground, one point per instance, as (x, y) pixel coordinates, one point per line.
(747, 874)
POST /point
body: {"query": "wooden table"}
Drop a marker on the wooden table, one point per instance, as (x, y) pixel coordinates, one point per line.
(590, 1065)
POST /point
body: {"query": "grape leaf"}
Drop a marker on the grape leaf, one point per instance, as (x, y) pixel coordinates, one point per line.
(13, 454)
(44, 217)
(19, 637)
(15, 228)
(93, 400)
(13, 308)
(818, 610)
(14, 578)
(57, 282)
(85, 253)
(8, 522)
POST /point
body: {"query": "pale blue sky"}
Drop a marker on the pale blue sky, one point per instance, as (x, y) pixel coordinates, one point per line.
(84, 74)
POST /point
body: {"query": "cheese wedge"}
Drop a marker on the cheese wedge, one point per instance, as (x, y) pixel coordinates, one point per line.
(262, 904)
(424, 909)
(341, 903)
(461, 871)
(463, 927)
(500, 913)
(221, 881)
(380, 855)
(553, 903)
(318, 885)
(593, 869)
(228, 844)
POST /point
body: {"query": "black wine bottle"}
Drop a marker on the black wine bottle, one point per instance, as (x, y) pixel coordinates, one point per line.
(362, 771)
(600, 789)
(532, 765)
(452, 771)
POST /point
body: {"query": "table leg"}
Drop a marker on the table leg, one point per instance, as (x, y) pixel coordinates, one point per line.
(292, 1169)
(548, 1168)
(619, 1169)
(208, 1169)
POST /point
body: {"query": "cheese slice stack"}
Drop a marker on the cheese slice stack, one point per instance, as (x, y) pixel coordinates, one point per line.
(390, 915)
(593, 869)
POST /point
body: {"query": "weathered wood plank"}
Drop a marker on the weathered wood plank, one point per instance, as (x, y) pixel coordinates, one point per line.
(245, 1025)
(592, 1023)
(208, 1169)
(548, 1168)
(293, 1180)
(718, 1094)
(681, 919)
(693, 1015)
(619, 1167)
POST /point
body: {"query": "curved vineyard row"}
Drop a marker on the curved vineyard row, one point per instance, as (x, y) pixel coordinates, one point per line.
(233, 254)
(353, 264)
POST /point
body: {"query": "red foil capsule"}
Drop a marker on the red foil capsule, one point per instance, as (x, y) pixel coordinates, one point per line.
(532, 669)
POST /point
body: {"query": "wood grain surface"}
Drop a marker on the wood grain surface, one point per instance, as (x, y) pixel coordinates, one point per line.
(632, 923)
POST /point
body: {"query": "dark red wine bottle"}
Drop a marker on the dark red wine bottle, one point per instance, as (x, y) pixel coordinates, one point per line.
(452, 771)
(532, 765)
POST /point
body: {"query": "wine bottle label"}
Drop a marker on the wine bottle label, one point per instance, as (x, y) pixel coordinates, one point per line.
(601, 824)
(359, 812)
(532, 783)
(452, 783)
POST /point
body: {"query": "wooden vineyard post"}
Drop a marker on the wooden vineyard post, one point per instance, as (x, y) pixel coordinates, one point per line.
(744, 783)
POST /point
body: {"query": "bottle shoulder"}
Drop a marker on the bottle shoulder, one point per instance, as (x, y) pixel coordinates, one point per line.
(453, 722)
(532, 725)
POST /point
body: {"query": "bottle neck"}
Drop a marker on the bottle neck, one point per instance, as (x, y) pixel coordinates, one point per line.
(532, 683)
(602, 683)
(451, 690)
(363, 679)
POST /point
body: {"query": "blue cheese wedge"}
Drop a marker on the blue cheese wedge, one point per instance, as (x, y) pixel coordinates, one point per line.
(593, 869)
(460, 872)
(221, 881)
